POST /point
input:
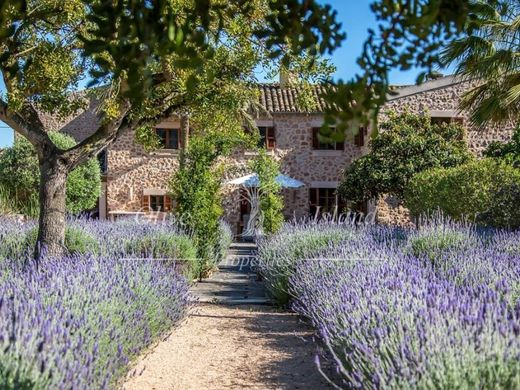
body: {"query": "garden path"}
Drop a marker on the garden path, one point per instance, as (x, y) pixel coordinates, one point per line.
(233, 339)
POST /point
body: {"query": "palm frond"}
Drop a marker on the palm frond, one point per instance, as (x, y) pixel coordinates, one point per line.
(490, 53)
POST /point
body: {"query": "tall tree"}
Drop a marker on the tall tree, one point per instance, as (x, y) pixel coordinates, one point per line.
(489, 52)
(152, 59)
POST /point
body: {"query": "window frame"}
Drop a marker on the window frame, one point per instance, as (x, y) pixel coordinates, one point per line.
(315, 197)
(165, 203)
(165, 142)
(325, 146)
(267, 136)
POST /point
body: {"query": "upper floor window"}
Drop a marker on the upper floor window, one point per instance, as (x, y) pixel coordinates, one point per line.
(440, 120)
(267, 137)
(319, 144)
(170, 138)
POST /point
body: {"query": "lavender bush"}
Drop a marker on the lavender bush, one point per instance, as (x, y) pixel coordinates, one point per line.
(438, 236)
(12, 238)
(279, 254)
(75, 322)
(127, 238)
(394, 314)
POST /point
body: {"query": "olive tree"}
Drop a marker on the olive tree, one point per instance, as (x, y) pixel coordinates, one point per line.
(149, 60)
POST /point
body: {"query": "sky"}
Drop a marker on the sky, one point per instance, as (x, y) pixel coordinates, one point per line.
(356, 18)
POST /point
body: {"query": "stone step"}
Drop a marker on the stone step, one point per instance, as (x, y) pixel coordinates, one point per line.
(236, 302)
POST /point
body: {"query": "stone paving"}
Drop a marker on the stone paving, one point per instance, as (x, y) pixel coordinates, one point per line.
(234, 338)
(236, 282)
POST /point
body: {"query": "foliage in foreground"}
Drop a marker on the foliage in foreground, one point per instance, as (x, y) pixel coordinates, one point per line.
(130, 239)
(484, 191)
(436, 307)
(77, 324)
(406, 144)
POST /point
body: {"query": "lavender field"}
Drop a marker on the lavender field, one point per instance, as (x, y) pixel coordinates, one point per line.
(437, 307)
(76, 322)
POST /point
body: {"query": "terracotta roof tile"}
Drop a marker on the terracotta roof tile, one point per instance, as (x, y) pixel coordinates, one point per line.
(276, 99)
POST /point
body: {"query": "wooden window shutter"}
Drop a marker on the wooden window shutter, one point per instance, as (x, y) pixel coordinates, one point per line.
(315, 139)
(146, 203)
(167, 203)
(340, 145)
(271, 138)
(359, 139)
(313, 196)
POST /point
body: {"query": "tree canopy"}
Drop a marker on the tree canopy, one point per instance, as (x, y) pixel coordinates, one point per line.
(407, 144)
(489, 52)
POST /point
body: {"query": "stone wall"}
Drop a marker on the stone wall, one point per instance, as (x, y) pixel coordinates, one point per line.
(132, 169)
(294, 150)
(441, 98)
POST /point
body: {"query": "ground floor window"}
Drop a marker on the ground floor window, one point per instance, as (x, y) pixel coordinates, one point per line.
(325, 200)
(157, 203)
(170, 138)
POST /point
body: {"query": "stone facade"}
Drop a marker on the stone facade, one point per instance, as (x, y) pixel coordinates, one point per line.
(131, 170)
(294, 149)
(134, 172)
(440, 98)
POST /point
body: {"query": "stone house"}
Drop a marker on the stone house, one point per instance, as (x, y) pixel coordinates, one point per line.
(136, 181)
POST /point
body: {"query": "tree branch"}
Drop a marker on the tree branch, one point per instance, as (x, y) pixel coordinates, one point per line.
(28, 124)
(104, 136)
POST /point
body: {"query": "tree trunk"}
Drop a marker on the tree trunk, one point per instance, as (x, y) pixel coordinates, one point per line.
(51, 231)
(185, 131)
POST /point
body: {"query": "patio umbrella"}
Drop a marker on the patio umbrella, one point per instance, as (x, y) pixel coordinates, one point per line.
(253, 181)
(252, 196)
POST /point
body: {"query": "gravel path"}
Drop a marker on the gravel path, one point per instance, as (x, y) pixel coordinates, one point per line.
(226, 347)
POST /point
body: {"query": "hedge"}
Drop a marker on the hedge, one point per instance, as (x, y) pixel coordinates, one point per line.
(485, 191)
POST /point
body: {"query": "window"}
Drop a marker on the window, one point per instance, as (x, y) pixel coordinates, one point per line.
(103, 161)
(317, 144)
(267, 137)
(157, 203)
(325, 200)
(359, 139)
(440, 120)
(170, 138)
